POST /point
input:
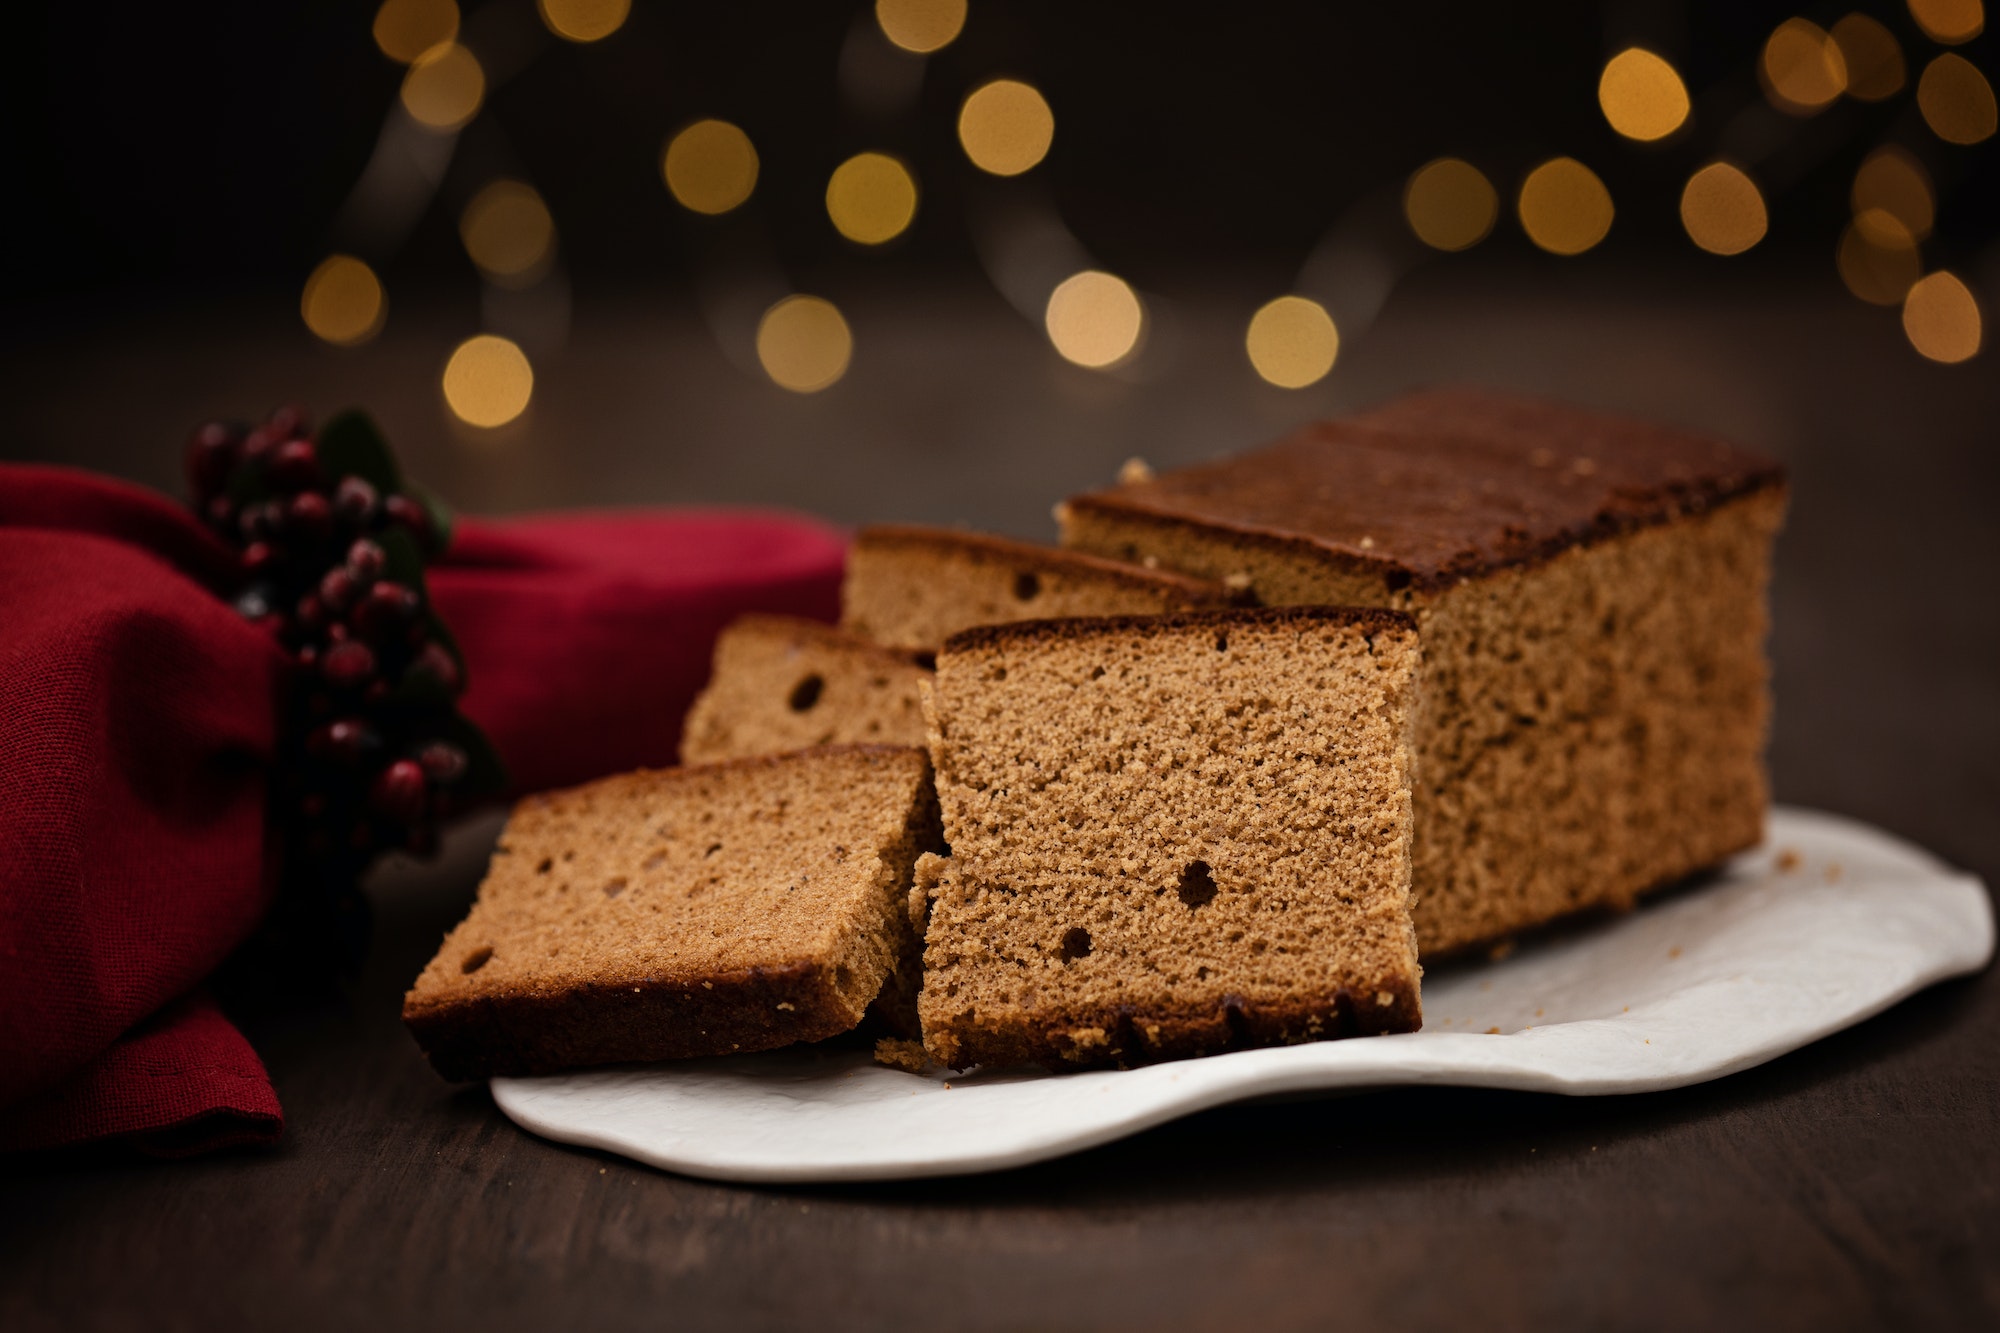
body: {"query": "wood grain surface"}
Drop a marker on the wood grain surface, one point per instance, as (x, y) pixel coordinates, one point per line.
(1855, 1184)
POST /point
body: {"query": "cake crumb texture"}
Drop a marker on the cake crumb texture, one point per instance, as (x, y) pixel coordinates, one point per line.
(1170, 836)
(682, 912)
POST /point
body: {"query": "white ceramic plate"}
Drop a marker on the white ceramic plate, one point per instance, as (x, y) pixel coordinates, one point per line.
(1829, 922)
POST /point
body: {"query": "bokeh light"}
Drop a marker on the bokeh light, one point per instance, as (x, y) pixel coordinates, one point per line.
(1878, 258)
(488, 381)
(922, 26)
(1893, 182)
(444, 87)
(1941, 317)
(1949, 21)
(1564, 207)
(1956, 100)
(1292, 342)
(1802, 68)
(871, 198)
(1874, 61)
(710, 167)
(1723, 210)
(508, 232)
(1450, 204)
(343, 302)
(405, 29)
(1642, 95)
(1095, 319)
(803, 344)
(584, 20)
(1006, 127)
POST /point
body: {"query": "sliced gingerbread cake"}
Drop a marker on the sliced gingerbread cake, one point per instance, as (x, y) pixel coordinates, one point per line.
(1170, 836)
(1592, 593)
(914, 587)
(781, 683)
(683, 912)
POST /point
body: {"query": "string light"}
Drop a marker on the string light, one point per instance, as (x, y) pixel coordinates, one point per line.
(1292, 342)
(1450, 204)
(1564, 207)
(1878, 258)
(1802, 68)
(488, 381)
(871, 198)
(1723, 210)
(1941, 318)
(1956, 100)
(922, 26)
(1892, 182)
(1642, 95)
(584, 20)
(508, 232)
(343, 302)
(405, 29)
(1949, 21)
(1874, 61)
(710, 167)
(1006, 127)
(1094, 319)
(804, 344)
(444, 87)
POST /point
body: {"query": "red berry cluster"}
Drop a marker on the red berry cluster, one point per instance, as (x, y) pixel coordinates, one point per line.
(332, 568)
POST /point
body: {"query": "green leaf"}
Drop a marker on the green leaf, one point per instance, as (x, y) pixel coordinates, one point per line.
(406, 558)
(352, 445)
(442, 517)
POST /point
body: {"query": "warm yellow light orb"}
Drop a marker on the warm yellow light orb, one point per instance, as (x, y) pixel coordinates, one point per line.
(508, 232)
(710, 167)
(1895, 183)
(1802, 68)
(1450, 204)
(1956, 100)
(1949, 21)
(343, 302)
(1878, 258)
(584, 20)
(1941, 317)
(803, 344)
(444, 87)
(1723, 210)
(405, 29)
(1874, 61)
(1292, 342)
(1094, 319)
(488, 381)
(1006, 127)
(871, 198)
(1642, 95)
(1564, 207)
(922, 26)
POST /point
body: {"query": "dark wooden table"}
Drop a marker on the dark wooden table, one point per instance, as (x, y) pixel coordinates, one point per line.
(1853, 1184)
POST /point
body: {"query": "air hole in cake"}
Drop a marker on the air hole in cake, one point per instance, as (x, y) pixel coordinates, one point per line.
(614, 888)
(477, 959)
(548, 864)
(1222, 643)
(1026, 587)
(1201, 974)
(1197, 884)
(1097, 673)
(806, 693)
(654, 862)
(1075, 944)
(713, 848)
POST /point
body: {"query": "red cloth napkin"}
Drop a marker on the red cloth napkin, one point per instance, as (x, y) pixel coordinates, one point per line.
(137, 723)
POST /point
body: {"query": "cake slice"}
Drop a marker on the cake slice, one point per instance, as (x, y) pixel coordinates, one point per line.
(682, 912)
(1170, 836)
(914, 587)
(781, 683)
(1592, 593)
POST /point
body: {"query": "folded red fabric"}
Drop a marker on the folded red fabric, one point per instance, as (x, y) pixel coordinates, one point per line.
(137, 724)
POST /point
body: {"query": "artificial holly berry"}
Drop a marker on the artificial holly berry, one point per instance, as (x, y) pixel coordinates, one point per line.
(400, 792)
(348, 665)
(258, 556)
(294, 466)
(386, 609)
(211, 453)
(407, 513)
(354, 500)
(366, 560)
(309, 516)
(443, 763)
(434, 663)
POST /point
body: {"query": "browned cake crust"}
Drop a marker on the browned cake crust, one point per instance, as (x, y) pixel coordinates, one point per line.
(781, 683)
(683, 912)
(1171, 836)
(913, 587)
